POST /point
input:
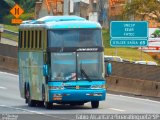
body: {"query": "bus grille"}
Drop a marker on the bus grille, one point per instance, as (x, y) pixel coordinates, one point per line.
(80, 87)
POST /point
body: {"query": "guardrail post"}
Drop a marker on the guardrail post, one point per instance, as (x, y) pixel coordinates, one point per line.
(1, 30)
(0, 37)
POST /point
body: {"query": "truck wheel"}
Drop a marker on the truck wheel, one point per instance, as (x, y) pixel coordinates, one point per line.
(95, 104)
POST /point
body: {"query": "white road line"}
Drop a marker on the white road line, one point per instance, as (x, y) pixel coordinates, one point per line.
(21, 109)
(147, 100)
(115, 109)
(9, 74)
(4, 88)
(34, 112)
(2, 105)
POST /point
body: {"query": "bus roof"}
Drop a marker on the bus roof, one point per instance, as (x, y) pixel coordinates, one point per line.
(57, 22)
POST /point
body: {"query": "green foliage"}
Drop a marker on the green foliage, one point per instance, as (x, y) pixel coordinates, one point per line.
(142, 8)
(27, 5)
(7, 19)
(10, 2)
(106, 38)
(157, 32)
(27, 16)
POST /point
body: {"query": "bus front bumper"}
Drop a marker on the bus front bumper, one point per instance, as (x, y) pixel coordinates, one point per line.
(77, 95)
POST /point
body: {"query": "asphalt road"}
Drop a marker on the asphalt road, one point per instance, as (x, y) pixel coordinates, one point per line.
(12, 103)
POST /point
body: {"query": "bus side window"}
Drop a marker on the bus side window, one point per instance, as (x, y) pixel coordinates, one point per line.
(32, 39)
(40, 39)
(20, 39)
(28, 39)
(25, 40)
(36, 39)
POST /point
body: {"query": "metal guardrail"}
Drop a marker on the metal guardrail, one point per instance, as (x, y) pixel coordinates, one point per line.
(1, 28)
(136, 71)
(10, 32)
(8, 50)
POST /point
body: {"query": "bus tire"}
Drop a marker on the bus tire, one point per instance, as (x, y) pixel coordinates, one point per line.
(81, 104)
(72, 104)
(95, 104)
(43, 93)
(31, 103)
(25, 93)
(48, 105)
(40, 103)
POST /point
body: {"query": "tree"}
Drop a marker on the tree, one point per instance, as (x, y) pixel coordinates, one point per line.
(142, 9)
(27, 5)
(10, 2)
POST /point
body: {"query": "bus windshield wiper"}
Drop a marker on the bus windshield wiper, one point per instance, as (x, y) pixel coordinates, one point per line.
(83, 73)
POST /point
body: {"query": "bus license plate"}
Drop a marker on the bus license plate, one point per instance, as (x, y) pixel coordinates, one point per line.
(57, 98)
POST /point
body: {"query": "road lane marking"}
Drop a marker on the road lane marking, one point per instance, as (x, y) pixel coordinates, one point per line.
(21, 109)
(2, 105)
(34, 112)
(115, 109)
(147, 100)
(4, 88)
(9, 74)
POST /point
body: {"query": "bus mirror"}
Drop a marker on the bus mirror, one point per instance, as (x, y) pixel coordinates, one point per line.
(109, 69)
(45, 70)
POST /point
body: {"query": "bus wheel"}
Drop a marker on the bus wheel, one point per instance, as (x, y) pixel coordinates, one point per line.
(43, 93)
(72, 104)
(40, 103)
(31, 103)
(81, 104)
(26, 94)
(48, 105)
(95, 104)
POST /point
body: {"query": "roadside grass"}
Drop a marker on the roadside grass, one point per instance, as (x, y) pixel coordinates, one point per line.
(10, 36)
(13, 28)
(131, 54)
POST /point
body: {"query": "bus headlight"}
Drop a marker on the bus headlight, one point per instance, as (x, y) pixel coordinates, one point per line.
(98, 87)
(56, 87)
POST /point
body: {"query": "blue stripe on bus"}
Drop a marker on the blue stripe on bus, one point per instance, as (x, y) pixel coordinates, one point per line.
(66, 62)
(88, 61)
(73, 62)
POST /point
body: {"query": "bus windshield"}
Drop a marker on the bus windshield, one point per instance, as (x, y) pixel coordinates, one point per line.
(87, 65)
(75, 38)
